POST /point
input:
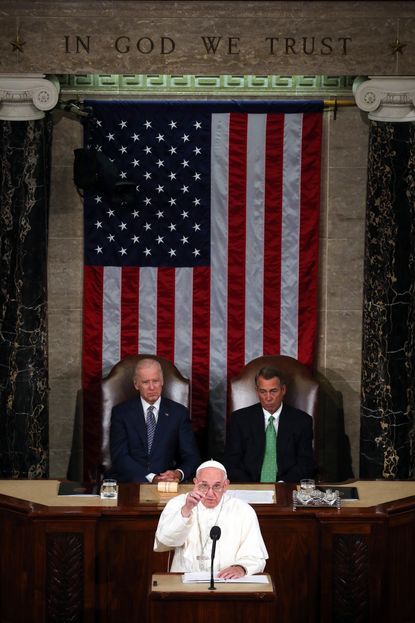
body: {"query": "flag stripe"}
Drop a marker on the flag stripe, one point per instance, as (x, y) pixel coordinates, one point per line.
(129, 315)
(92, 366)
(165, 312)
(254, 281)
(272, 234)
(183, 332)
(147, 311)
(219, 272)
(290, 234)
(111, 317)
(92, 325)
(200, 346)
(236, 242)
(308, 249)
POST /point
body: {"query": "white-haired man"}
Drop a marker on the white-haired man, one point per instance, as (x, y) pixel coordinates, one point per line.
(151, 437)
(187, 519)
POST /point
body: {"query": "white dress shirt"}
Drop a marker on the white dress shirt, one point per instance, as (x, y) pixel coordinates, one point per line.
(275, 415)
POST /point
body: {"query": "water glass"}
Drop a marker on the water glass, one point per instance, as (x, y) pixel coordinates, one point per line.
(307, 485)
(109, 489)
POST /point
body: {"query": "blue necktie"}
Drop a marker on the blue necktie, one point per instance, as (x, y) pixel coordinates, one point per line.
(151, 426)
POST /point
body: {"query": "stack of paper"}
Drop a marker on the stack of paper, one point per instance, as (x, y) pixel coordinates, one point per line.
(204, 576)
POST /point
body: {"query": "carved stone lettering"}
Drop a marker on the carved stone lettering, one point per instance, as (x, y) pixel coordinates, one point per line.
(308, 46)
(77, 44)
(145, 45)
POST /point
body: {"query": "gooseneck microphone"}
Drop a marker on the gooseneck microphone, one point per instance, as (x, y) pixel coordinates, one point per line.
(215, 533)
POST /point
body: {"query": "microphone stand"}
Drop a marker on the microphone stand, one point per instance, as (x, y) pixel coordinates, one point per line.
(214, 535)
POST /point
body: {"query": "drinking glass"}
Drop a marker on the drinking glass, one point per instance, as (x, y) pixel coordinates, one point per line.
(307, 485)
(109, 488)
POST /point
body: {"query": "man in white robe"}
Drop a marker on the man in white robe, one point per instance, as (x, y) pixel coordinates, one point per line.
(187, 519)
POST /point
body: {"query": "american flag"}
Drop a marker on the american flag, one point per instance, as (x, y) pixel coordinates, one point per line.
(206, 251)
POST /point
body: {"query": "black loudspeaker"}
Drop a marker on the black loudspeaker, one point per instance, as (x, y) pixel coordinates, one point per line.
(92, 169)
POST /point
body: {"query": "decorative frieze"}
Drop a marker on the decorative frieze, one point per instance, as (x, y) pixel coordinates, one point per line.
(386, 98)
(81, 85)
(24, 97)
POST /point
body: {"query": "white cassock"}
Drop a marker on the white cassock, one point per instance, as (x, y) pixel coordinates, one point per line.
(240, 543)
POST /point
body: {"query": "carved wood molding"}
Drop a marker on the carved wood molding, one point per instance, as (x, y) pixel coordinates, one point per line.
(350, 579)
(64, 577)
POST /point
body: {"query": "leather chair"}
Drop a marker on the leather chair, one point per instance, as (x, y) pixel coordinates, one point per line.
(302, 388)
(118, 386)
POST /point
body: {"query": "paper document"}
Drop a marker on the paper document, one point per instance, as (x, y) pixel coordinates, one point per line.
(204, 576)
(253, 496)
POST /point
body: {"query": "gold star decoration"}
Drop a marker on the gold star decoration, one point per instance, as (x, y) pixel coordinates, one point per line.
(397, 47)
(17, 44)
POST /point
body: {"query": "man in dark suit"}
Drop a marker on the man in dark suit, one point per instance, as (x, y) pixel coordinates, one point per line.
(270, 441)
(151, 437)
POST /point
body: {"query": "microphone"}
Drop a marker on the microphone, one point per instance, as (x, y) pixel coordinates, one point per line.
(215, 533)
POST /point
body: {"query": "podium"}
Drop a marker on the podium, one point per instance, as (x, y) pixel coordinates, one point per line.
(171, 600)
(93, 559)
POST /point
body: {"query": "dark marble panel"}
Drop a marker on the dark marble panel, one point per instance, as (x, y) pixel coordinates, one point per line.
(24, 191)
(388, 378)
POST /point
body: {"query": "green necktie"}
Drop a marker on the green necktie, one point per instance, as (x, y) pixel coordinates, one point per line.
(269, 465)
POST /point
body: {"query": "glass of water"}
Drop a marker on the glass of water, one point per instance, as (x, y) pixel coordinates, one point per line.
(109, 488)
(307, 485)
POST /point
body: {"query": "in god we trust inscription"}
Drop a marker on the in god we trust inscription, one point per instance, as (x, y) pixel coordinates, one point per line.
(215, 45)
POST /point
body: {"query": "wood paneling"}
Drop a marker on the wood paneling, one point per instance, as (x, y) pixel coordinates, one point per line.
(94, 564)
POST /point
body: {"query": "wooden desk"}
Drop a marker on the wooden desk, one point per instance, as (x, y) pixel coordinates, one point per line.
(91, 561)
(171, 600)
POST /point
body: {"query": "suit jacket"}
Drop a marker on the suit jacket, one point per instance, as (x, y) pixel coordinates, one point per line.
(245, 445)
(173, 447)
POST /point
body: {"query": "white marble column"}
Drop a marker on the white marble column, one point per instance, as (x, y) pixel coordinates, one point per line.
(24, 97)
(386, 98)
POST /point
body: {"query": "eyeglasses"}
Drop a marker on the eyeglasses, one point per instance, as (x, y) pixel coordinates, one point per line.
(204, 488)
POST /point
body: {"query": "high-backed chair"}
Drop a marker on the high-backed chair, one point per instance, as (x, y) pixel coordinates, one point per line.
(118, 386)
(302, 388)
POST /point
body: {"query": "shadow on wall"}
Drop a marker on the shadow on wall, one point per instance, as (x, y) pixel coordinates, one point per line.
(75, 467)
(333, 446)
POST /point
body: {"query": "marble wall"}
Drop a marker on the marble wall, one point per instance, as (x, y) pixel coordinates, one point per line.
(65, 293)
(341, 264)
(176, 36)
(340, 288)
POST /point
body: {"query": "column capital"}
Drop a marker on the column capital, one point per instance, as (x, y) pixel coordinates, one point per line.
(386, 98)
(26, 96)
